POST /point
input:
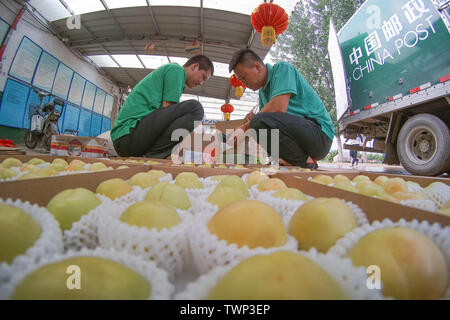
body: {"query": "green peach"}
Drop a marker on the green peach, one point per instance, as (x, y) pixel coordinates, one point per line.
(18, 232)
(234, 182)
(11, 162)
(100, 279)
(151, 214)
(225, 195)
(70, 205)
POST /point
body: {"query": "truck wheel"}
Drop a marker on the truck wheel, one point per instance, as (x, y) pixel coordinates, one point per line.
(423, 145)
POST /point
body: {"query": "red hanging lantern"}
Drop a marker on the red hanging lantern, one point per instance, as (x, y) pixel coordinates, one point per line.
(236, 83)
(270, 20)
(227, 109)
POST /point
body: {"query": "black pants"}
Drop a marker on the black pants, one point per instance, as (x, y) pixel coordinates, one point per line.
(151, 137)
(299, 137)
(354, 156)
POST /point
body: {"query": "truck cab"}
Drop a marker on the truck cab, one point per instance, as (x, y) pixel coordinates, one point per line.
(391, 71)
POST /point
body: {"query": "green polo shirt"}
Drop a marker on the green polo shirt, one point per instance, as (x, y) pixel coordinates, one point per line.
(163, 84)
(283, 78)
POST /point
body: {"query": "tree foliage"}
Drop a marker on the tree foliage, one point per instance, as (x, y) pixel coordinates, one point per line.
(305, 43)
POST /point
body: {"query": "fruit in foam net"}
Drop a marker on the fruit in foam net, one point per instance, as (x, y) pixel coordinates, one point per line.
(188, 180)
(380, 180)
(36, 161)
(187, 175)
(249, 223)
(29, 176)
(77, 162)
(321, 222)
(47, 172)
(100, 279)
(370, 189)
(11, 162)
(234, 182)
(143, 180)
(412, 266)
(7, 173)
(360, 178)
(290, 193)
(387, 197)
(341, 178)
(347, 186)
(271, 185)
(98, 166)
(222, 166)
(114, 188)
(322, 179)
(282, 275)
(217, 178)
(122, 167)
(408, 196)
(29, 168)
(413, 186)
(18, 232)
(394, 185)
(170, 194)
(157, 173)
(151, 214)
(255, 177)
(76, 165)
(58, 166)
(59, 160)
(189, 164)
(70, 205)
(225, 195)
(151, 162)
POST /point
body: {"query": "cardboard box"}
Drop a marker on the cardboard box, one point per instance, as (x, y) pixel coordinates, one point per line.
(69, 145)
(40, 191)
(375, 209)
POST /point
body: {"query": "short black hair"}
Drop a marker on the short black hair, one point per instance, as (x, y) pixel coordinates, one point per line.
(204, 63)
(244, 56)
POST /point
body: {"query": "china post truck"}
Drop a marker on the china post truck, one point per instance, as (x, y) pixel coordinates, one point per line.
(391, 70)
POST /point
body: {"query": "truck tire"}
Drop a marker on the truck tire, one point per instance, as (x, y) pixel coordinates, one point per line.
(423, 145)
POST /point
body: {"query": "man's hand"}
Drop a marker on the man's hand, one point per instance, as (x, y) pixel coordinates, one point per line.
(248, 117)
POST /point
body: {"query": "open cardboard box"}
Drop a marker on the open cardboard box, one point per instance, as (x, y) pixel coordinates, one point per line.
(375, 209)
(423, 181)
(40, 191)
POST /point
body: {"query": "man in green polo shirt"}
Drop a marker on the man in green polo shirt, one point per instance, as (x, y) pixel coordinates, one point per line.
(153, 110)
(288, 103)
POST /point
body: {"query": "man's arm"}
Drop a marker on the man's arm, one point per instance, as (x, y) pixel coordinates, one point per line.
(279, 103)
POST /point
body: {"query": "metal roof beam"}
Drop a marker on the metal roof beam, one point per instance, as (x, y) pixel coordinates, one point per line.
(120, 29)
(202, 29)
(169, 38)
(155, 24)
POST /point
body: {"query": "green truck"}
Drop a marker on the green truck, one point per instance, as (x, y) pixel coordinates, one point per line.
(391, 71)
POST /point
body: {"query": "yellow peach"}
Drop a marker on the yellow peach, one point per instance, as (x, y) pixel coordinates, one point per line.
(282, 275)
(114, 188)
(151, 214)
(249, 223)
(271, 184)
(412, 266)
(321, 222)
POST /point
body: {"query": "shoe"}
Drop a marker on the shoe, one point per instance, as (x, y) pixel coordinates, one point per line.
(312, 166)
